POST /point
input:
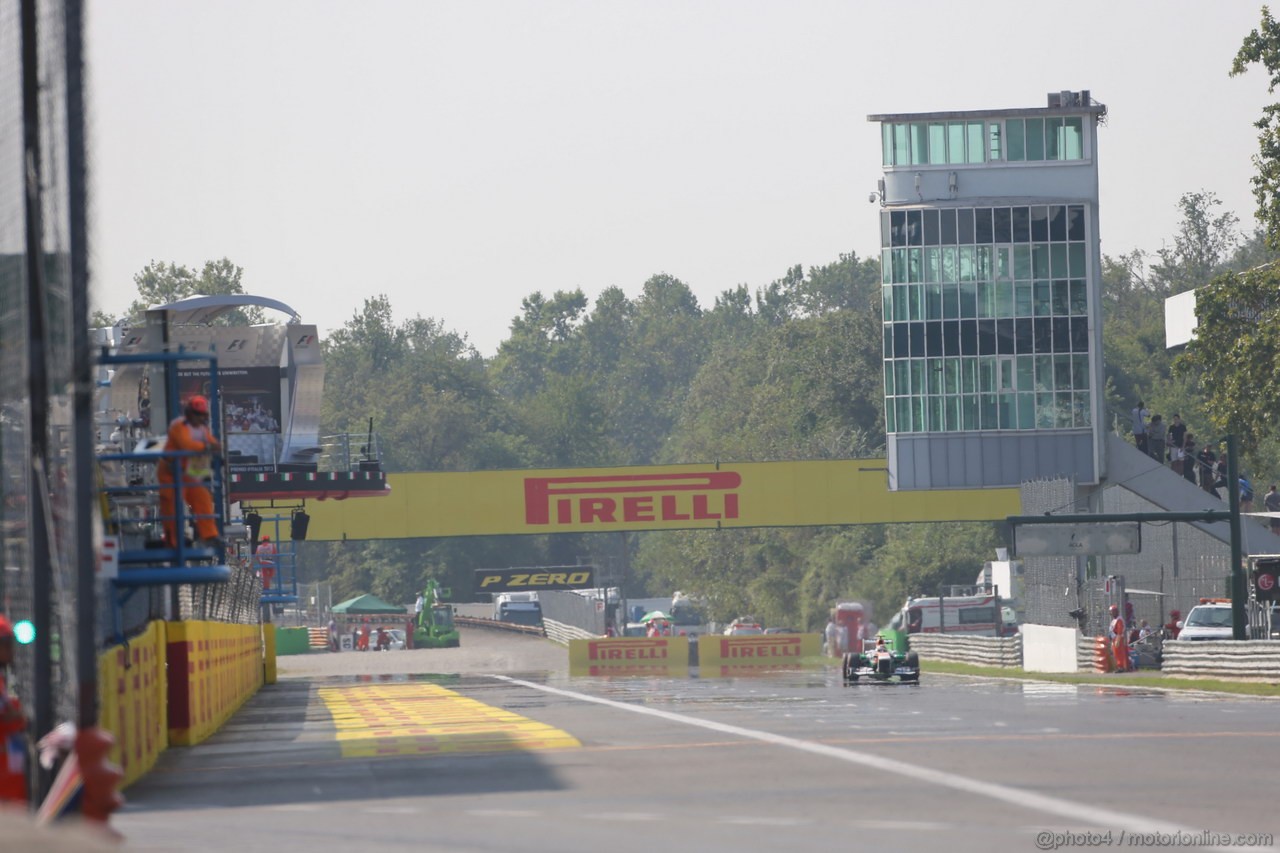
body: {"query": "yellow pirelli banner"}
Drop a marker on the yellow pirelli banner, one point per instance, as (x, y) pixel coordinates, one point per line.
(666, 497)
(629, 656)
(719, 655)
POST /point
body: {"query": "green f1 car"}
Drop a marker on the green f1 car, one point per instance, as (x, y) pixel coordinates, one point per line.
(878, 662)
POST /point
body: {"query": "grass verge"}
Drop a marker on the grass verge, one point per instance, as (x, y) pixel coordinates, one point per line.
(1149, 680)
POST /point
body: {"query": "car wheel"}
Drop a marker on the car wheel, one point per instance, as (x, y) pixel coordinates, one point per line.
(912, 661)
(846, 667)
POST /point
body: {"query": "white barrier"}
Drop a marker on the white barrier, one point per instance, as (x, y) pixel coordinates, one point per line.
(980, 651)
(561, 633)
(1223, 658)
(1047, 648)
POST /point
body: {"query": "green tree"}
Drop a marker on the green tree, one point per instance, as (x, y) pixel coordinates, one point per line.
(1262, 47)
(1235, 352)
(159, 284)
(1201, 249)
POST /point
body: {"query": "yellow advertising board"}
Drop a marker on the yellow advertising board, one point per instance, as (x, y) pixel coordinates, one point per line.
(629, 656)
(132, 693)
(719, 655)
(665, 497)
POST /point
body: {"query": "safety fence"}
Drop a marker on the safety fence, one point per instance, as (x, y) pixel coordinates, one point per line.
(980, 651)
(1223, 658)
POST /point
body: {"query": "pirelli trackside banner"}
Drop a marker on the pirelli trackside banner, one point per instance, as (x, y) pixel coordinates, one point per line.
(525, 580)
(666, 497)
(744, 655)
(629, 656)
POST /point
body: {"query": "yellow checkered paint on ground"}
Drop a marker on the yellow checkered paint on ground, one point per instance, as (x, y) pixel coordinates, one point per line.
(424, 719)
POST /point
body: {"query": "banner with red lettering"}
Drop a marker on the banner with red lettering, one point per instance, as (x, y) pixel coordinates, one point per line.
(718, 655)
(630, 656)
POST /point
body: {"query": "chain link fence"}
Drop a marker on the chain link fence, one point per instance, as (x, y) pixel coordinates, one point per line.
(1179, 564)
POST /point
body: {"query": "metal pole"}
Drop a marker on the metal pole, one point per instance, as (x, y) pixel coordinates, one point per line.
(85, 489)
(1238, 592)
(38, 396)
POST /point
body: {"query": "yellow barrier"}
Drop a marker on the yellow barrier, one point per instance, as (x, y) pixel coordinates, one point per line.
(629, 656)
(213, 669)
(131, 698)
(745, 655)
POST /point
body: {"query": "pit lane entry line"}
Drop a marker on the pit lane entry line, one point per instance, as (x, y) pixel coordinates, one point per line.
(1092, 815)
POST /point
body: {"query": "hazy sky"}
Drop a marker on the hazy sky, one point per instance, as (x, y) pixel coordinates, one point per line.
(458, 156)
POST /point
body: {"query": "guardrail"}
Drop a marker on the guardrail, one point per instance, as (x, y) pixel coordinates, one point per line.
(1223, 658)
(495, 625)
(981, 651)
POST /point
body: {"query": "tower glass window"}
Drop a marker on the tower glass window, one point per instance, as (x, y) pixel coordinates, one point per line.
(987, 327)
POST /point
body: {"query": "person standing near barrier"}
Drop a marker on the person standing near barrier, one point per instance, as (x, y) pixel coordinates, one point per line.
(1140, 415)
(190, 432)
(1119, 640)
(264, 557)
(13, 727)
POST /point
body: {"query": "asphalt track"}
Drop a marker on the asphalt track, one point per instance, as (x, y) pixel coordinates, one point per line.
(496, 748)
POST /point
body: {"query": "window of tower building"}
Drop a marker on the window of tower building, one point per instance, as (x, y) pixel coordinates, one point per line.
(986, 318)
(937, 143)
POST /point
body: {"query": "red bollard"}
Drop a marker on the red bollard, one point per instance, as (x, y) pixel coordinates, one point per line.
(101, 777)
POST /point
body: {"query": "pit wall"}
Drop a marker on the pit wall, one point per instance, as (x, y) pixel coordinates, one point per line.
(175, 684)
(132, 701)
(223, 666)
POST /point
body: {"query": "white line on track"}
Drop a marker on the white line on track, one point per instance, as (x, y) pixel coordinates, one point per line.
(1085, 814)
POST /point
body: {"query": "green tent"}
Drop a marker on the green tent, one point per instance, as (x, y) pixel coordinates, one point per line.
(367, 604)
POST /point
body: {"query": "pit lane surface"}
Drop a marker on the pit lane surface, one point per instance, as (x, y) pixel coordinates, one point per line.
(789, 761)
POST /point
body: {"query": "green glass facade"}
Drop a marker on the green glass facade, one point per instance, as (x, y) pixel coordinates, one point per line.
(986, 315)
(1011, 140)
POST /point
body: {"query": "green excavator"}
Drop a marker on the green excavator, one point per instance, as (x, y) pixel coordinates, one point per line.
(434, 628)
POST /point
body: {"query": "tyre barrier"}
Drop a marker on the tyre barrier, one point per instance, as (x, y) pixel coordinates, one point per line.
(981, 651)
(1102, 661)
(318, 638)
(1245, 659)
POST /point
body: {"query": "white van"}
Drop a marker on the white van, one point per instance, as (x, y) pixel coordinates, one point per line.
(519, 608)
(971, 615)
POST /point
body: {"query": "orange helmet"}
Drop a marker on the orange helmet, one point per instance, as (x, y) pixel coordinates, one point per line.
(266, 538)
(1114, 610)
(198, 404)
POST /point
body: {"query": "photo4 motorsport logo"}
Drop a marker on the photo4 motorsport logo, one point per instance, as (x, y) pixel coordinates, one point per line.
(708, 497)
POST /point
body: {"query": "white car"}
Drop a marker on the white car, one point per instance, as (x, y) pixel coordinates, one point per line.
(742, 626)
(1209, 621)
(396, 636)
